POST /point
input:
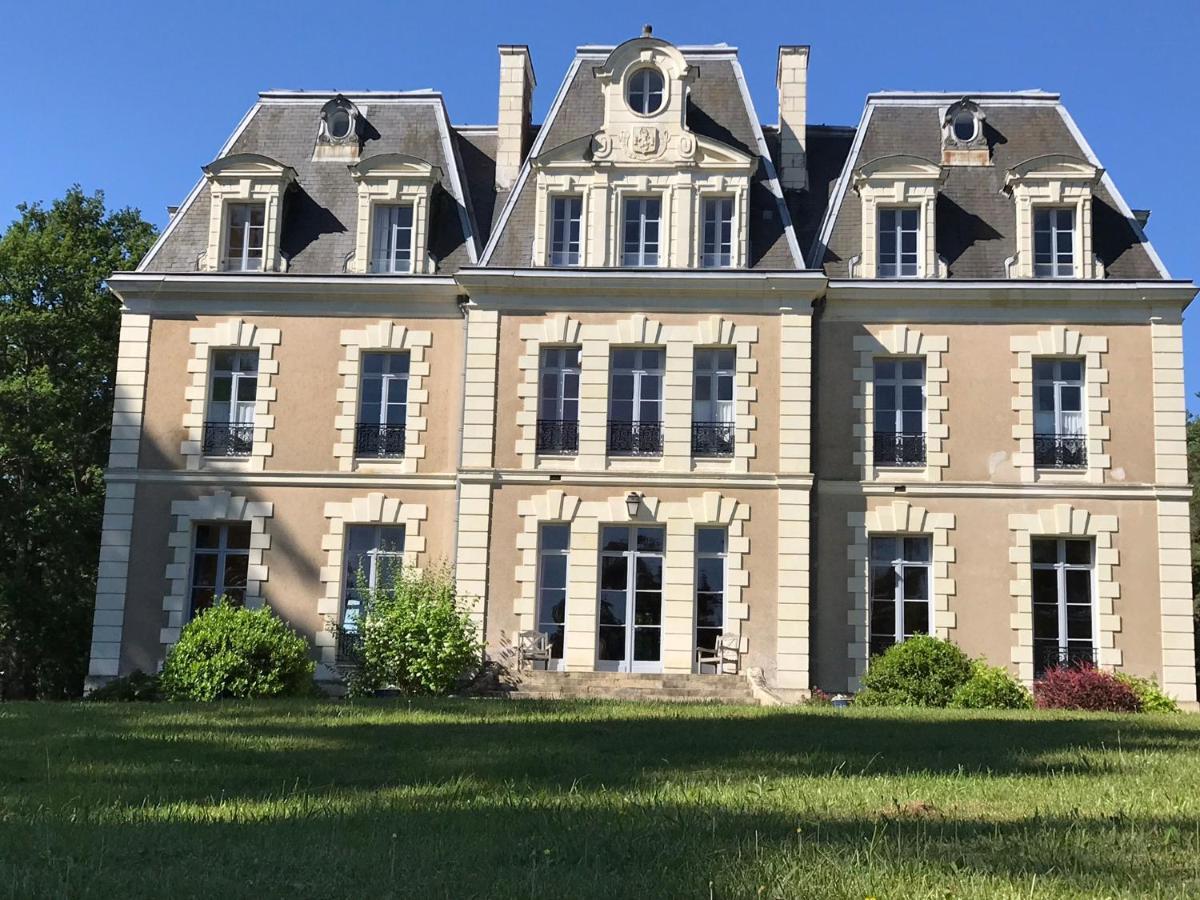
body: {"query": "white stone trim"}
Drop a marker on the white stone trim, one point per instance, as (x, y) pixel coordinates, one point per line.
(376, 508)
(472, 541)
(1060, 341)
(393, 179)
(897, 517)
(129, 391)
(792, 656)
(1170, 404)
(246, 178)
(112, 583)
(234, 333)
(595, 342)
(1175, 599)
(795, 393)
(218, 507)
(901, 340)
(1064, 520)
(384, 335)
(899, 181)
(479, 395)
(1057, 181)
(681, 520)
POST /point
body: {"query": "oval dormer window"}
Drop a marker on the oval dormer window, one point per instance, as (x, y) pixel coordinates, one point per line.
(339, 123)
(646, 91)
(965, 126)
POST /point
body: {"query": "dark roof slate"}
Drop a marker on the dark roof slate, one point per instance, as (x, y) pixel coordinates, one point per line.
(320, 210)
(976, 220)
(716, 109)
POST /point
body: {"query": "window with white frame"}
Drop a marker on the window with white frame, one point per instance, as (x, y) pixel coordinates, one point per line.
(558, 401)
(220, 564)
(232, 397)
(1053, 242)
(899, 242)
(392, 239)
(899, 401)
(711, 547)
(635, 401)
(642, 216)
(374, 557)
(717, 233)
(713, 409)
(554, 546)
(1064, 620)
(646, 91)
(245, 236)
(565, 219)
(900, 596)
(1059, 429)
(382, 405)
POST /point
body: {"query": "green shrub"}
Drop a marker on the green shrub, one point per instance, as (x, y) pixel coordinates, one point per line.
(134, 687)
(921, 671)
(230, 651)
(414, 637)
(991, 687)
(1149, 693)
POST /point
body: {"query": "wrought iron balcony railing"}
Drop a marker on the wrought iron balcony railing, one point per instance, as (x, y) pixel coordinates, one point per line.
(895, 448)
(635, 438)
(1060, 451)
(228, 439)
(1049, 655)
(558, 437)
(379, 440)
(712, 439)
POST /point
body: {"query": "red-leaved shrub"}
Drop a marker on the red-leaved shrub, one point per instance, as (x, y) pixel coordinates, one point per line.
(1084, 687)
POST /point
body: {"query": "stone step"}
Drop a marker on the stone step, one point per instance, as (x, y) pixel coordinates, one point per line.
(642, 696)
(648, 686)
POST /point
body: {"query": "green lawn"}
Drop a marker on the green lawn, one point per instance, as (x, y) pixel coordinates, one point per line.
(491, 799)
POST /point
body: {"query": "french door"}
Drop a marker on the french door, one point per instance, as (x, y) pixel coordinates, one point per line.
(631, 591)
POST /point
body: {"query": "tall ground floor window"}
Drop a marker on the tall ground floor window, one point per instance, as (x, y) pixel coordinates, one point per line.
(631, 593)
(553, 548)
(710, 586)
(374, 555)
(220, 563)
(1063, 612)
(900, 594)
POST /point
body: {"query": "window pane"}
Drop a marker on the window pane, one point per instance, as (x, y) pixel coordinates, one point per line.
(1045, 622)
(885, 368)
(916, 618)
(710, 540)
(1044, 551)
(207, 536)
(916, 549)
(1045, 586)
(556, 537)
(650, 540)
(916, 583)
(912, 369)
(554, 570)
(883, 549)
(883, 617)
(613, 573)
(1079, 623)
(710, 574)
(1079, 586)
(883, 582)
(238, 537)
(1078, 552)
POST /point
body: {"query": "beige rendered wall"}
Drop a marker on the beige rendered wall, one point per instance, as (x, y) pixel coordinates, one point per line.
(983, 603)
(294, 560)
(980, 390)
(307, 386)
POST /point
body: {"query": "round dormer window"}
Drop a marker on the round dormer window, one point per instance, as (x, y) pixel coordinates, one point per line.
(338, 123)
(646, 91)
(965, 126)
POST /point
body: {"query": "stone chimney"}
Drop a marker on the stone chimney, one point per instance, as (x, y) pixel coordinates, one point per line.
(791, 79)
(516, 108)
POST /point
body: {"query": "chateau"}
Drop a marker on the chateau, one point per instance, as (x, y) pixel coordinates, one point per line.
(660, 382)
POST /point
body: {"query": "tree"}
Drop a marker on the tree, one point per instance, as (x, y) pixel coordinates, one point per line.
(59, 326)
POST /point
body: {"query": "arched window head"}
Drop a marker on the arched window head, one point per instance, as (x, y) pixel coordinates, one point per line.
(339, 121)
(646, 91)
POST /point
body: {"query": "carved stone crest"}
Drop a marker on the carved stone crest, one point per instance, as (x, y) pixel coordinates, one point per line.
(643, 141)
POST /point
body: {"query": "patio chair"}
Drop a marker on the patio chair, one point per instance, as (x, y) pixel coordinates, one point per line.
(532, 647)
(724, 658)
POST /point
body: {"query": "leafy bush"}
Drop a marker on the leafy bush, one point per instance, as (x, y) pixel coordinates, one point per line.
(134, 687)
(818, 697)
(230, 651)
(1149, 694)
(1084, 687)
(414, 637)
(991, 687)
(921, 671)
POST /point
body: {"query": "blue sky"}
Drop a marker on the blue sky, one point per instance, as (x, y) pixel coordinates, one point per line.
(133, 97)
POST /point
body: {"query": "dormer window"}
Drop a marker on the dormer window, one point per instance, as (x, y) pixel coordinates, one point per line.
(338, 123)
(963, 140)
(899, 238)
(392, 239)
(246, 194)
(646, 91)
(1054, 242)
(899, 203)
(965, 126)
(244, 237)
(394, 192)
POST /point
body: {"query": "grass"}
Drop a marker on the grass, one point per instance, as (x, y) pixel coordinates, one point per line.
(464, 799)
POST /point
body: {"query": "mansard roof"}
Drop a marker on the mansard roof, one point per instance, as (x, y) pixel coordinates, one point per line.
(976, 219)
(718, 108)
(320, 211)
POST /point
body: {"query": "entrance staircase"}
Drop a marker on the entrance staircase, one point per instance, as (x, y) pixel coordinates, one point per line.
(540, 685)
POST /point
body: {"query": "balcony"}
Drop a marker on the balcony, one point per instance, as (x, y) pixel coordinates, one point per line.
(635, 438)
(558, 437)
(227, 439)
(379, 441)
(1049, 655)
(712, 439)
(1060, 451)
(894, 448)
